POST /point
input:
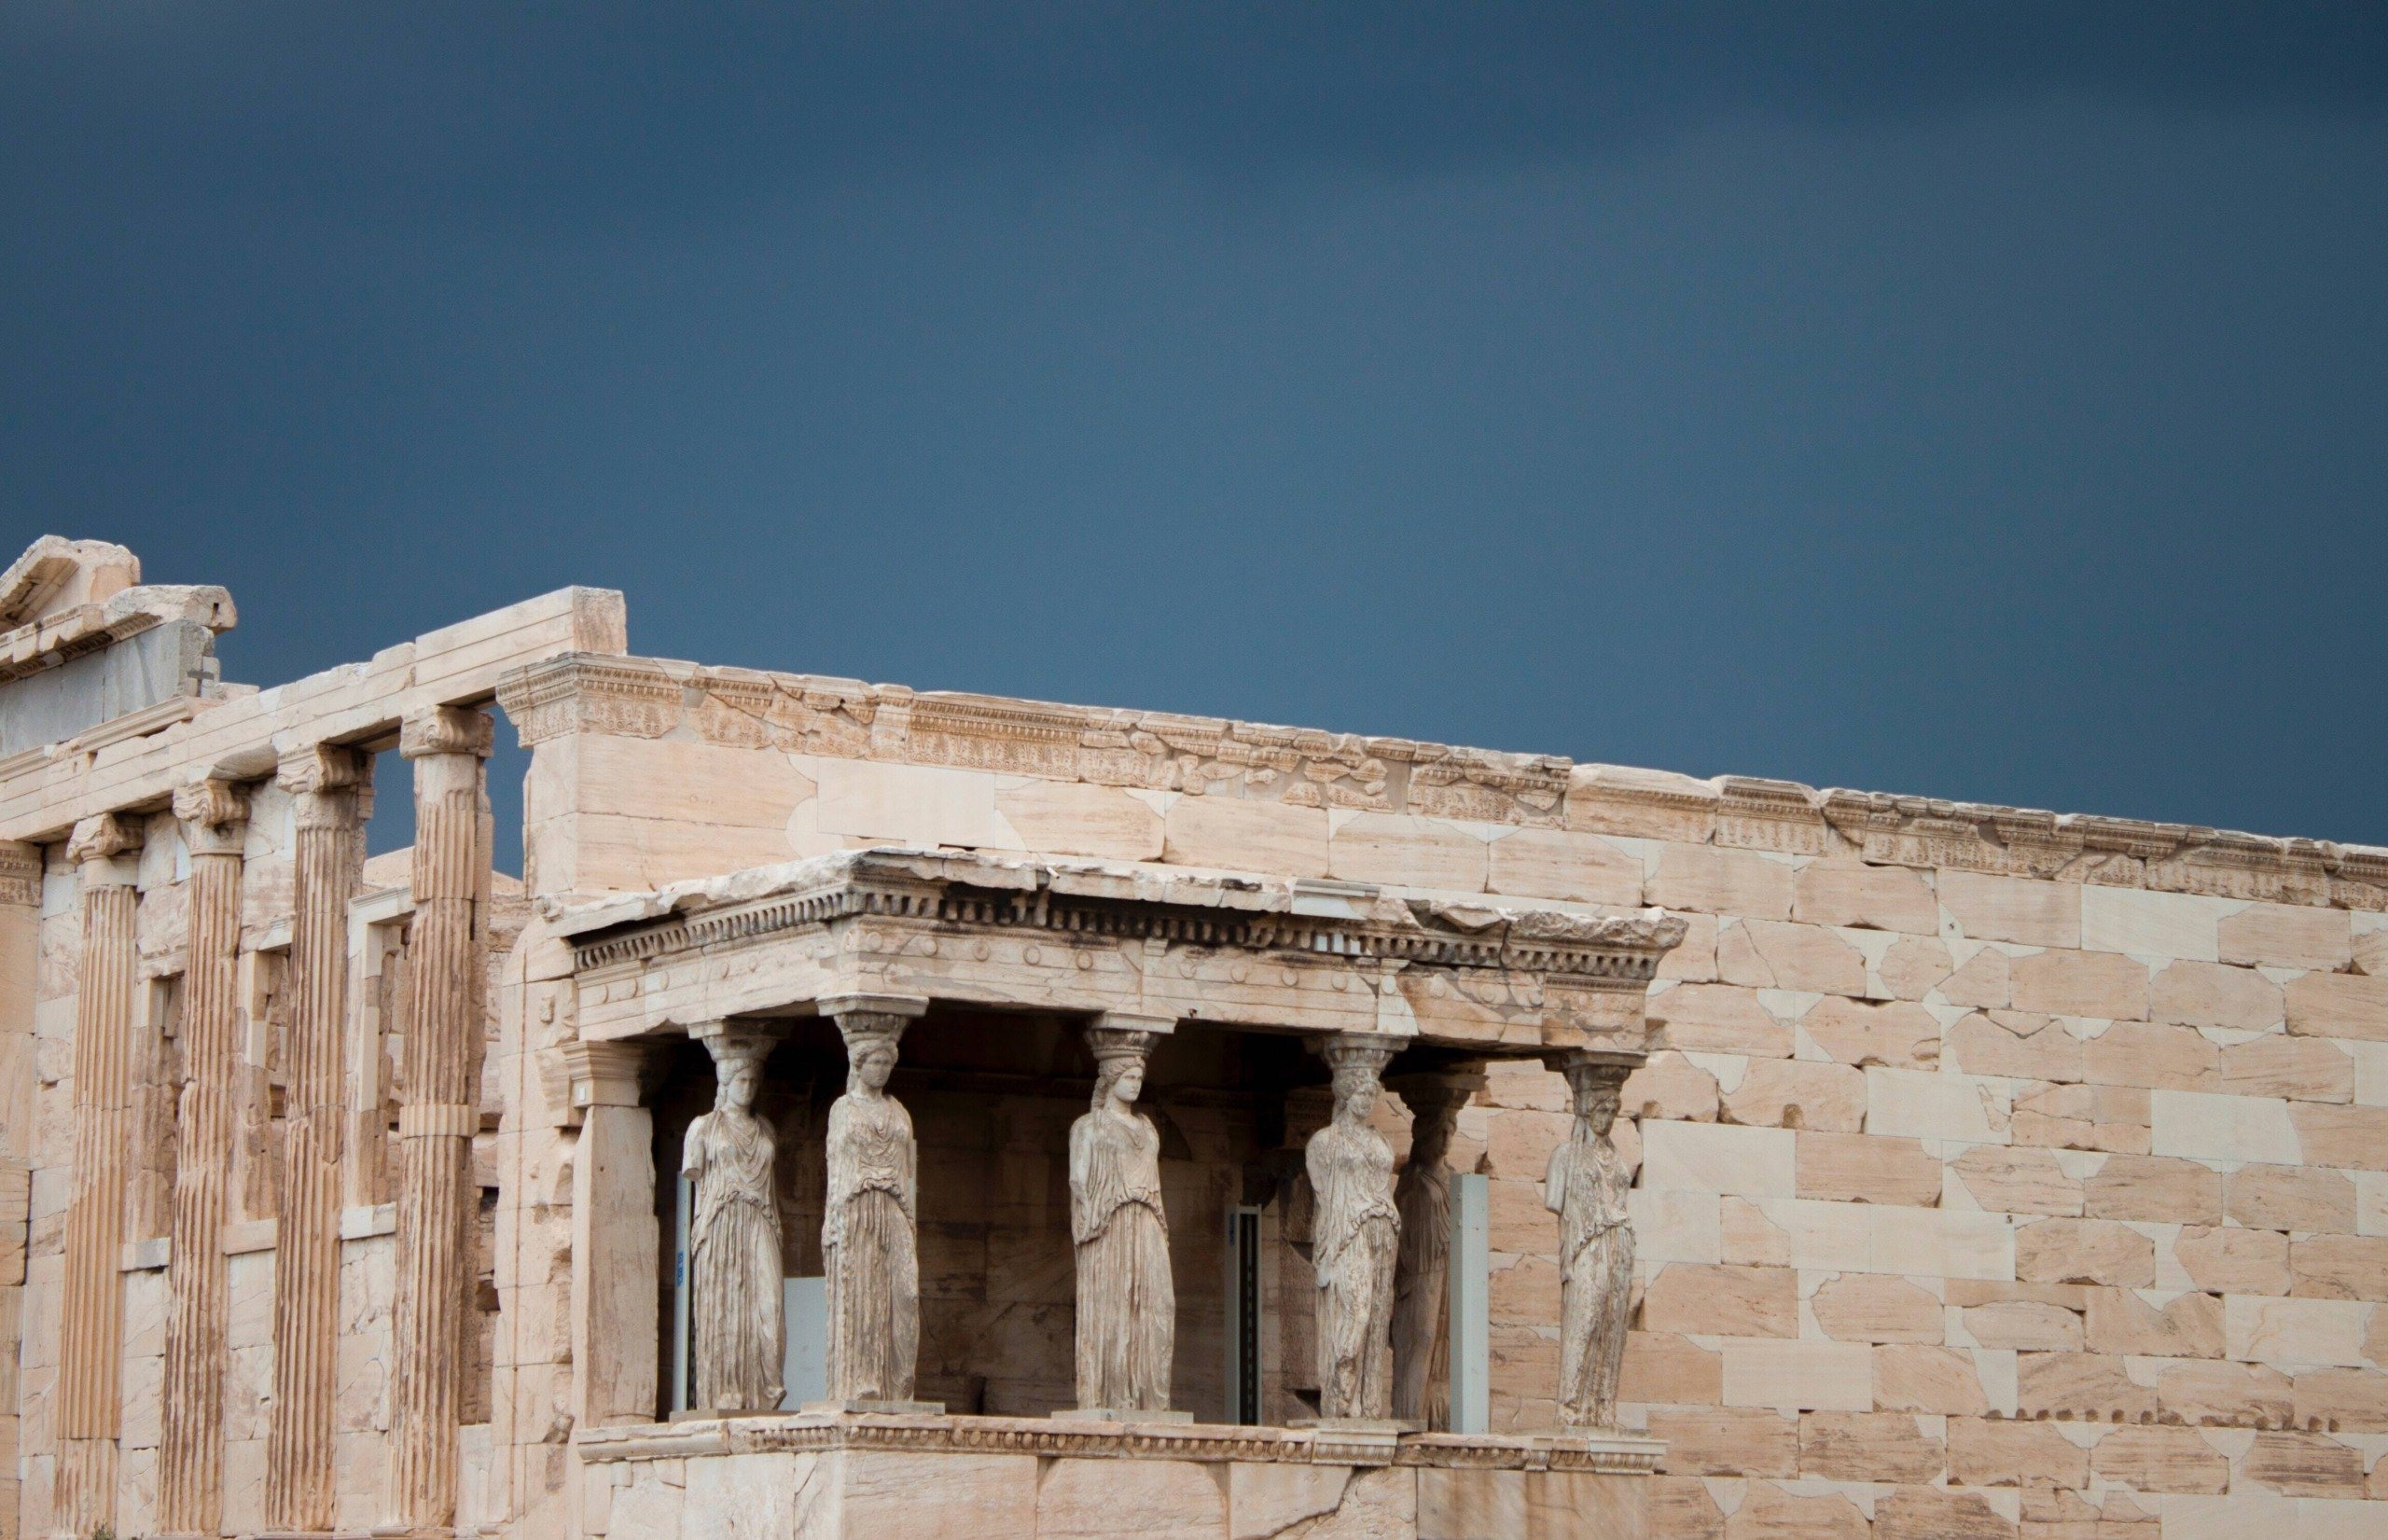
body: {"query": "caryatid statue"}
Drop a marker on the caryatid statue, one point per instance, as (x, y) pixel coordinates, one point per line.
(1127, 1303)
(1420, 1293)
(1355, 1234)
(869, 1245)
(738, 1320)
(1588, 1187)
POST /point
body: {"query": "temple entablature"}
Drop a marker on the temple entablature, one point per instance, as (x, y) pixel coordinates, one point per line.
(1236, 950)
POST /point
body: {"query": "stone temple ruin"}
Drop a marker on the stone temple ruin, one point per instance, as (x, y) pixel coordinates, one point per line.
(882, 1113)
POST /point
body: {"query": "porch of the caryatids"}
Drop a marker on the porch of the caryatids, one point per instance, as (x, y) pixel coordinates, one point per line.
(214, 815)
(330, 790)
(870, 1230)
(89, 1404)
(439, 1106)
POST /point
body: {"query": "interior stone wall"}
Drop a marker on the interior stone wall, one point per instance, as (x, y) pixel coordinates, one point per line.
(1998, 1175)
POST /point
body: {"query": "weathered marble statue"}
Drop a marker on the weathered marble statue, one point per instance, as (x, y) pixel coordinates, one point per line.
(1420, 1279)
(737, 1320)
(1587, 1187)
(867, 1233)
(1127, 1303)
(1355, 1233)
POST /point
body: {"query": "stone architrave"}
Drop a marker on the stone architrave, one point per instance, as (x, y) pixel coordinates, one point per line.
(1588, 1187)
(91, 1300)
(1355, 1236)
(331, 789)
(1127, 1301)
(738, 1322)
(191, 1457)
(1421, 1299)
(869, 1246)
(440, 1112)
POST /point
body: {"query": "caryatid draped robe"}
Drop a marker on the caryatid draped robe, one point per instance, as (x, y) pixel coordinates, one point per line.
(1421, 1297)
(868, 1250)
(1127, 1303)
(738, 1317)
(1356, 1237)
(1588, 1183)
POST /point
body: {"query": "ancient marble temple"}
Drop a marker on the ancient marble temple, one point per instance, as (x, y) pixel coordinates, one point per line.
(880, 1113)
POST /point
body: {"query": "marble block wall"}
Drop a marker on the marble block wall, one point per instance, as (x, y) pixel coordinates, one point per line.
(1999, 1174)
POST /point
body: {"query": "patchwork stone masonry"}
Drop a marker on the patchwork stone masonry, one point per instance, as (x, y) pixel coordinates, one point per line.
(1995, 1172)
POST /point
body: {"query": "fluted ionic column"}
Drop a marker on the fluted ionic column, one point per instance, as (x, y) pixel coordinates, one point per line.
(190, 1462)
(440, 1110)
(327, 786)
(91, 1301)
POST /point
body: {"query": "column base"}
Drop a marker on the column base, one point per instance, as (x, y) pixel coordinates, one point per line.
(865, 1406)
(1113, 1414)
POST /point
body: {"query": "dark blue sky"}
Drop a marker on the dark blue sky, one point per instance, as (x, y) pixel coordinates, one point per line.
(1981, 401)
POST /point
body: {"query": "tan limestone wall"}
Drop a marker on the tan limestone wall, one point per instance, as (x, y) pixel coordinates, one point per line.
(2003, 1173)
(875, 1495)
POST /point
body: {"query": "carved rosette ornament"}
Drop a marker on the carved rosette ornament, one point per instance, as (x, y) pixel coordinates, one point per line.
(1355, 1238)
(1127, 1301)
(190, 1457)
(738, 1325)
(91, 1302)
(869, 1246)
(1589, 1187)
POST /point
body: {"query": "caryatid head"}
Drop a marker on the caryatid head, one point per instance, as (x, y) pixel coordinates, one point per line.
(1357, 1067)
(1120, 1055)
(871, 1039)
(1599, 1083)
(737, 1056)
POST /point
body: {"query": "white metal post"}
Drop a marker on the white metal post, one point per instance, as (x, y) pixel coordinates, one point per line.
(1471, 1278)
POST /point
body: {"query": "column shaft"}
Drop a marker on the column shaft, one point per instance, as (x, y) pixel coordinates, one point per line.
(324, 781)
(614, 1238)
(92, 1307)
(20, 876)
(190, 1460)
(439, 1109)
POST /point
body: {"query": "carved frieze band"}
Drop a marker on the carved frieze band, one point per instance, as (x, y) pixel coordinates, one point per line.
(845, 718)
(1623, 949)
(19, 873)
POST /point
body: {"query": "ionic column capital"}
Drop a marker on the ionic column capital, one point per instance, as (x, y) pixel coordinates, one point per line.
(736, 1042)
(1593, 1069)
(447, 729)
(214, 816)
(873, 1017)
(1361, 1052)
(19, 873)
(1432, 1093)
(96, 842)
(858, 1003)
(604, 1074)
(321, 767)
